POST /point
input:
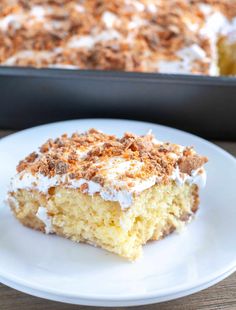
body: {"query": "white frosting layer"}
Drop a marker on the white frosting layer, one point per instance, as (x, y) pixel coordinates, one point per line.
(187, 56)
(45, 218)
(230, 32)
(41, 183)
(109, 19)
(38, 182)
(197, 177)
(28, 54)
(79, 8)
(124, 196)
(89, 41)
(12, 19)
(38, 12)
(63, 66)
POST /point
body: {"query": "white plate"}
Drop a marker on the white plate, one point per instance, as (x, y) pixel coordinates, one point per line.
(115, 303)
(58, 269)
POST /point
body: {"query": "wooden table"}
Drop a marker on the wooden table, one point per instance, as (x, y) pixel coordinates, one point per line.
(219, 297)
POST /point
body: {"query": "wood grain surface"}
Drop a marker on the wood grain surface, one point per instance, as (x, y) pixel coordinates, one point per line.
(221, 296)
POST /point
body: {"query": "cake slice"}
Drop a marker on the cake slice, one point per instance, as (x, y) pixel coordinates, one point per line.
(115, 193)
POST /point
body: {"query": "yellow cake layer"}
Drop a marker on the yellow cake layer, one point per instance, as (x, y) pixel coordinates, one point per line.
(227, 57)
(155, 213)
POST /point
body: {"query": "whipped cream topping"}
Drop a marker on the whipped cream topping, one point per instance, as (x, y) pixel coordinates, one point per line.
(89, 41)
(109, 19)
(28, 54)
(185, 64)
(230, 31)
(45, 218)
(197, 177)
(12, 19)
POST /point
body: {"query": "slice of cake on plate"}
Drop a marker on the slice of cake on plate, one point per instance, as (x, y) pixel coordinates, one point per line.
(115, 193)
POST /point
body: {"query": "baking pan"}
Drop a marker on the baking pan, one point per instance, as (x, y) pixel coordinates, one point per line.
(203, 105)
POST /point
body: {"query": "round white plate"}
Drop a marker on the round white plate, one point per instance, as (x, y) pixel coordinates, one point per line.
(56, 268)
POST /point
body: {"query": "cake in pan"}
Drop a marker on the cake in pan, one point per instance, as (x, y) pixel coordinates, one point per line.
(114, 193)
(174, 36)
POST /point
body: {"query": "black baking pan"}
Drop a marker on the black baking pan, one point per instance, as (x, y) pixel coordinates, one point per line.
(203, 105)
